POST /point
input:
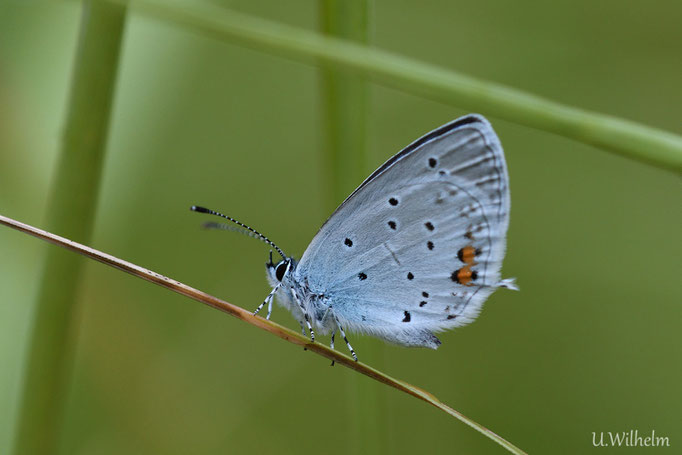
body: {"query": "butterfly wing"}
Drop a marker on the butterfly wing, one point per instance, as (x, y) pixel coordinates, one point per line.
(418, 247)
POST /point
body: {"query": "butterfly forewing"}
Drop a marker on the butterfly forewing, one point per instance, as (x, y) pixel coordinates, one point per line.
(419, 245)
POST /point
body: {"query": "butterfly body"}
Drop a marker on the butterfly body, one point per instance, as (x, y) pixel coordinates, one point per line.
(299, 298)
(416, 249)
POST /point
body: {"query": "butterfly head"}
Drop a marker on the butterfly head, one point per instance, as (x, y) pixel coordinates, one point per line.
(277, 272)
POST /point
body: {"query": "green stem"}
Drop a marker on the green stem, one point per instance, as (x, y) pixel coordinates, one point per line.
(344, 100)
(71, 212)
(622, 137)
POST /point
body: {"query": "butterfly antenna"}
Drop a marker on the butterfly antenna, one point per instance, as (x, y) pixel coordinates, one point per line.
(256, 234)
(228, 227)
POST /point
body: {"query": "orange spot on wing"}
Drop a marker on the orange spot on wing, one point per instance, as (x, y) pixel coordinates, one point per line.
(467, 255)
(464, 275)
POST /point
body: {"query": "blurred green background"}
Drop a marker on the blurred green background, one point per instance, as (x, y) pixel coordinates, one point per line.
(590, 344)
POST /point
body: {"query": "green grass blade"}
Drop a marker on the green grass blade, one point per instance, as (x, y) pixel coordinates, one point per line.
(622, 137)
(71, 212)
(343, 98)
(344, 111)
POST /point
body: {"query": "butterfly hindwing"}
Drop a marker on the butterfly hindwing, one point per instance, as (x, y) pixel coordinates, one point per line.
(418, 246)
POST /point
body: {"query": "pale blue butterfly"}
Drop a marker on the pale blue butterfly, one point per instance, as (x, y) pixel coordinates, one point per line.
(415, 249)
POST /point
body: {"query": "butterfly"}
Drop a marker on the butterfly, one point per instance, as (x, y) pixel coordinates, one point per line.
(416, 249)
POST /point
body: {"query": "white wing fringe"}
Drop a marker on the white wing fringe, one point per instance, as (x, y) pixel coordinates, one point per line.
(509, 283)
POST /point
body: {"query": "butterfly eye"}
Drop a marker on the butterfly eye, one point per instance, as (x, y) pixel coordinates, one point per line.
(281, 268)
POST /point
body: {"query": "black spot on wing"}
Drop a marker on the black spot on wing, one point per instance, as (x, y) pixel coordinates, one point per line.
(407, 317)
(455, 276)
(348, 242)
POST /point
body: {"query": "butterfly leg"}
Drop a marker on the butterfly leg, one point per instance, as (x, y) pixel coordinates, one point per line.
(303, 333)
(305, 315)
(268, 300)
(269, 309)
(331, 345)
(343, 334)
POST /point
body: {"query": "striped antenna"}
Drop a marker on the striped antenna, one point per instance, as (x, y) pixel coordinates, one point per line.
(256, 234)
